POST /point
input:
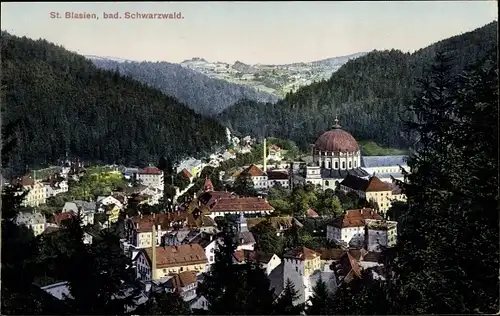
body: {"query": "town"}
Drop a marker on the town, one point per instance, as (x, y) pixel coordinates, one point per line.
(173, 244)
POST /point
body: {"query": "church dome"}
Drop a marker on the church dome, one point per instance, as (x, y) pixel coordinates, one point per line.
(336, 140)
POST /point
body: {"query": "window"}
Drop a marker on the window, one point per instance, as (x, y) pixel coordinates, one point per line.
(349, 165)
(336, 164)
(355, 163)
(296, 269)
(343, 164)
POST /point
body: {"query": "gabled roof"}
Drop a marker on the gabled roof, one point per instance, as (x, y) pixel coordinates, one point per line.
(253, 171)
(151, 171)
(383, 161)
(355, 218)
(311, 213)
(61, 217)
(240, 204)
(301, 253)
(186, 173)
(181, 255)
(376, 185)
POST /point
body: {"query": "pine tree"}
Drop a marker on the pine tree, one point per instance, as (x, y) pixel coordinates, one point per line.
(162, 303)
(320, 299)
(444, 260)
(284, 305)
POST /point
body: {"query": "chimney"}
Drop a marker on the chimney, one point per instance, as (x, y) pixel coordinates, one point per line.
(265, 158)
(153, 259)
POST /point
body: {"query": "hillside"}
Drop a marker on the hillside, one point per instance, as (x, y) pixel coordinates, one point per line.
(203, 94)
(370, 94)
(276, 79)
(62, 102)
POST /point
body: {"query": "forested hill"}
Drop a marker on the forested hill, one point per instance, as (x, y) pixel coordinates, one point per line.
(369, 94)
(61, 101)
(203, 94)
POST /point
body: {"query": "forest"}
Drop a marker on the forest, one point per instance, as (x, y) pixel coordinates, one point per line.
(370, 95)
(203, 94)
(57, 102)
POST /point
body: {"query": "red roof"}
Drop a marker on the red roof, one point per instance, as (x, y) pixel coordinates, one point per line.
(356, 218)
(311, 213)
(241, 204)
(58, 218)
(150, 170)
(376, 185)
(302, 253)
(186, 173)
(253, 171)
(336, 140)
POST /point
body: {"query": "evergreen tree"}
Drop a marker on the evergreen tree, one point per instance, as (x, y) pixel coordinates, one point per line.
(444, 260)
(284, 304)
(320, 299)
(162, 303)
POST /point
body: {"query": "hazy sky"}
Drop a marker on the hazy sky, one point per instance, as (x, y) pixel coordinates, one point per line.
(258, 32)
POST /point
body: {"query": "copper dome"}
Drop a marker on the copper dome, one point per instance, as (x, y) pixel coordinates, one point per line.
(336, 140)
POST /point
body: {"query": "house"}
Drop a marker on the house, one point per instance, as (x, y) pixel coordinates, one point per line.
(208, 242)
(186, 174)
(86, 210)
(35, 191)
(55, 185)
(58, 219)
(362, 227)
(175, 259)
(347, 269)
(103, 201)
(228, 204)
(36, 221)
(184, 284)
(192, 165)
(281, 223)
(152, 177)
(397, 194)
(311, 213)
(139, 228)
(278, 178)
(274, 153)
(372, 190)
(268, 261)
(299, 265)
(142, 264)
(258, 177)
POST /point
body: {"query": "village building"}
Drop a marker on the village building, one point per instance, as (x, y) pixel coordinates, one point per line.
(336, 154)
(151, 177)
(362, 228)
(55, 185)
(175, 259)
(268, 261)
(35, 221)
(372, 189)
(139, 229)
(35, 191)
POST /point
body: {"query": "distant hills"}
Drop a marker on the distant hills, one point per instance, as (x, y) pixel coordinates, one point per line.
(200, 92)
(276, 79)
(370, 94)
(58, 102)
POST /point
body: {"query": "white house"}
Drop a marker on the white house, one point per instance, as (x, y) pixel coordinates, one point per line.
(36, 221)
(278, 178)
(152, 177)
(258, 177)
(142, 264)
(86, 210)
(362, 227)
(103, 201)
(274, 154)
(55, 186)
(385, 167)
(268, 261)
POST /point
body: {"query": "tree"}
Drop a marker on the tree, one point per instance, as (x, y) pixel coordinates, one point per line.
(284, 305)
(266, 237)
(436, 263)
(163, 303)
(243, 185)
(320, 299)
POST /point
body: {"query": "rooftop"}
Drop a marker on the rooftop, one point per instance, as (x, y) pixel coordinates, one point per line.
(253, 171)
(374, 184)
(383, 161)
(355, 218)
(181, 255)
(241, 204)
(301, 253)
(150, 171)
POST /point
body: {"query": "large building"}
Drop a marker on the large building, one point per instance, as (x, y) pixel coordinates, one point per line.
(336, 154)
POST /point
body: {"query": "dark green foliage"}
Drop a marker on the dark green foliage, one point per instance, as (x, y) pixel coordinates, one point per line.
(203, 94)
(163, 303)
(243, 185)
(62, 102)
(284, 304)
(369, 94)
(235, 289)
(320, 300)
(266, 237)
(447, 255)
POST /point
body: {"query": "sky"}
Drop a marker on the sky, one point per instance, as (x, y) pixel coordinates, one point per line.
(250, 32)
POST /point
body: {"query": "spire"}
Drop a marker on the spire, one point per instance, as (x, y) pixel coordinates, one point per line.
(208, 186)
(336, 125)
(153, 251)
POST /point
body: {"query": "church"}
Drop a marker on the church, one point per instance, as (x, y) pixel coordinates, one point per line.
(336, 154)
